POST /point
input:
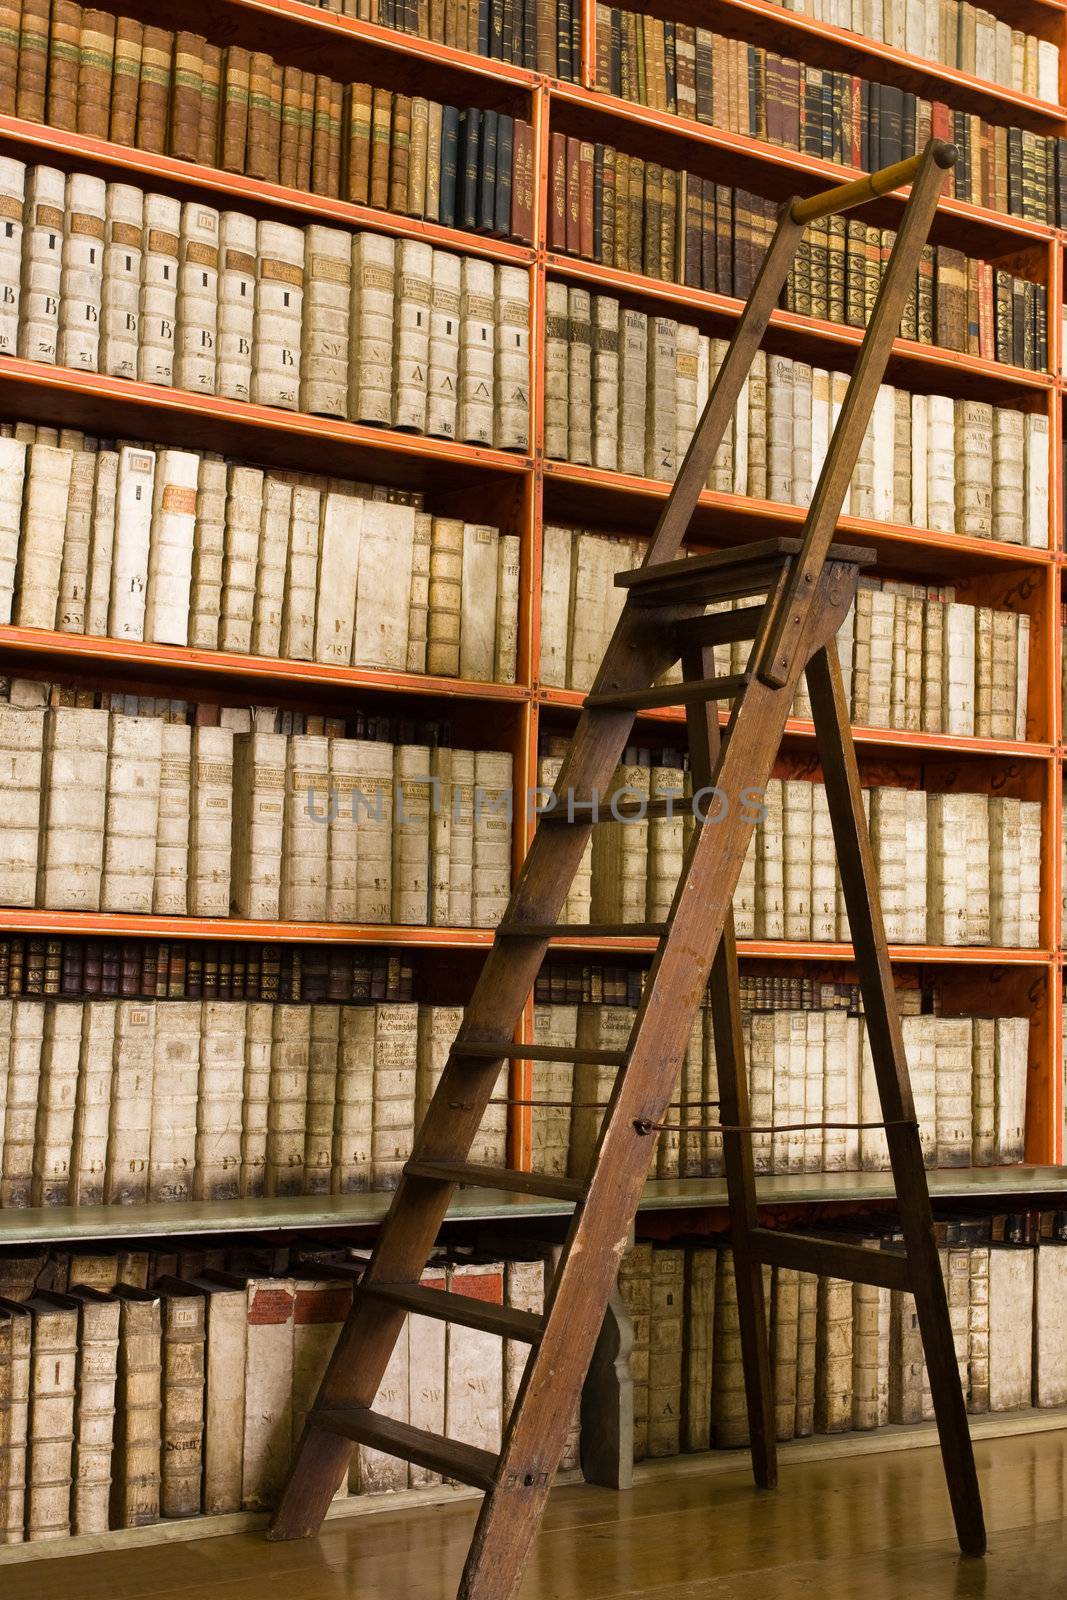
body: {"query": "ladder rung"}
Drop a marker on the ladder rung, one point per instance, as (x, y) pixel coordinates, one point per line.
(831, 1258)
(447, 1456)
(720, 627)
(701, 587)
(460, 1308)
(538, 1052)
(670, 694)
(474, 1176)
(582, 930)
(779, 549)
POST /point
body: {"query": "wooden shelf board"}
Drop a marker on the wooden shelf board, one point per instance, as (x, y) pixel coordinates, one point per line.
(572, 700)
(160, 1219)
(122, 924)
(805, 950)
(121, 407)
(1001, 230)
(190, 666)
(78, 151)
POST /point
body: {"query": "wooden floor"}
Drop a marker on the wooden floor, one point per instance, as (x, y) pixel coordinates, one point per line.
(867, 1528)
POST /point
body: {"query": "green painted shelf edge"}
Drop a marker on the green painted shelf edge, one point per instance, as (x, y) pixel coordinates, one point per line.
(69, 1224)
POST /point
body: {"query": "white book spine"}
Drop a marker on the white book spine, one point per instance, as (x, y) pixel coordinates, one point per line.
(132, 816)
(411, 342)
(279, 311)
(93, 1104)
(120, 311)
(102, 542)
(371, 329)
(74, 807)
(258, 820)
(304, 859)
(474, 417)
(196, 338)
(211, 822)
(12, 482)
(170, 891)
(176, 1066)
(259, 1025)
(327, 304)
(219, 1099)
(158, 315)
(205, 592)
(272, 566)
(170, 559)
(237, 304)
(129, 1136)
(383, 587)
(244, 509)
(512, 359)
(54, 1134)
(42, 264)
(40, 551)
(302, 580)
(353, 1126)
(12, 209)
(130, 553)
(342, 525)
(443, 362)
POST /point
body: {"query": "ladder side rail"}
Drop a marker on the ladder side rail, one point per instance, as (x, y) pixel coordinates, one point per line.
(551, 1386)
(894, 291)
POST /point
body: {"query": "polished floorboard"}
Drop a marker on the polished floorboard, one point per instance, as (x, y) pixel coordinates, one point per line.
(873, 1527)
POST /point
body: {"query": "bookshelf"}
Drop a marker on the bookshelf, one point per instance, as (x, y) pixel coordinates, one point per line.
(526, 490)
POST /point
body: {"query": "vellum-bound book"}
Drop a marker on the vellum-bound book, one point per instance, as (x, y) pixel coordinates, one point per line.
(12, 208)
(474, 418)
(135, 1484)
(42, 264)
(130, 554)
(12, 480)
(170, 563)
(411, 834)
(77, 532)
(557, 346)
(102, 541)
(224, 1392)
(304, 856)
(211, 822)
(302, 578)
(272, 565)
(132, 813)
(371, 329)
(512, 359)
(97, 1374)
(327, 308)
(219, 1100)
(477, 619)
(288, 1100)
(236, 304)
(198, 299)
(73, 809)
(53, 1367)
(244, 510)
(395, 1065)
(341, 533)
(21, 756)
(354, 1096)
(40, 549)
(159, 289)
(279, 308)
(88, 1160)
(373, 798)
(120, 308)
(259, 1025)
(443, 360)
(383, 587)
(321, 1098)
(268, 1390)
(170, 895)
(129, 1138)
(444, 597)
(419, 600)
(182, 1421)
(176, 1068)
(259, 806)
(81, 284)
(22, 1095)
(15, 1339)
(411, 345)
(54, 1133)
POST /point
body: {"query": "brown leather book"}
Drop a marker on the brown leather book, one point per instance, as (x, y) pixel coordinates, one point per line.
(693, 228)
(622, 210)
(668, 227)
(358, 147)
(277, 86)
(32, 58)
(289, 139)
(522, 191)
(95, 72)
(207, 145)
(607, 208)
(400, 154)
(546, 37)
(64, 64)
(415, 204)
(653, 220)
(585, 199)
(574, 224)
(126, 80)
(257, 150)
(307, 131)
(380, 135)
(636, 215)
(320, 147)
(235, 90)
(153, 100)
(335, 144)
(557, 210)
(185, 102)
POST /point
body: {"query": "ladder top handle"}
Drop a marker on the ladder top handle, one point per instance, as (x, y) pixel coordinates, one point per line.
(847, 195)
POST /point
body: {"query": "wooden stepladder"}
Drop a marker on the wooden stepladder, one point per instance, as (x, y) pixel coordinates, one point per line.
(804, 588)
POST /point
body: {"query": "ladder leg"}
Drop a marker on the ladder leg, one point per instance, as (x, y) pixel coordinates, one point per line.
(704, 743)
(840, 774)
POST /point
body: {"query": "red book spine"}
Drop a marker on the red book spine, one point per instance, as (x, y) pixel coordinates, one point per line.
(557, 199)
(574, 221)
(585, 199)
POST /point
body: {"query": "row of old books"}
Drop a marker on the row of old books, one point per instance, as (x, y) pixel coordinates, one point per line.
(106, 278)
(184, 548)
(912, 656)
(149, 1384)
(624, 392)
(843, 1356)
(176, 94)
(805, 1069)
(953, 868)
(953, 32)
(833, 116)
(126, 1101)
(108, 812)
(643, 217)
(576, 983)
(543, 37)
(200, 969)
